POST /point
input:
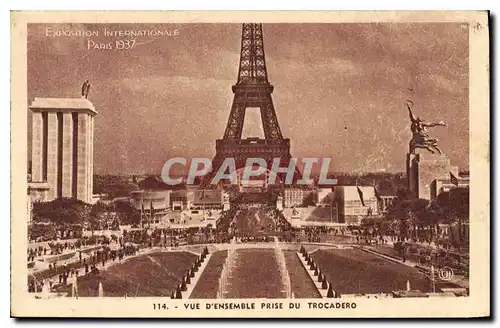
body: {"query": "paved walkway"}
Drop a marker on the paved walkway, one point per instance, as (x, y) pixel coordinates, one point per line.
(459, 280)
(68, 256)
(81, 272)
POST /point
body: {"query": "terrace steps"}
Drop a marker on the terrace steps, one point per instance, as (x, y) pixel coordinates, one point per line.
(321, 291)
(206, 287)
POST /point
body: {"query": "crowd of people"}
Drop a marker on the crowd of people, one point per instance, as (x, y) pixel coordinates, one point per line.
(85, 264)
(58, 248)
(255, 239)
(280, 221)
(225, 219)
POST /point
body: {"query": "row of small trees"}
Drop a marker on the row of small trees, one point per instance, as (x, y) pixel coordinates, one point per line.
(420, 218)
(71, 211)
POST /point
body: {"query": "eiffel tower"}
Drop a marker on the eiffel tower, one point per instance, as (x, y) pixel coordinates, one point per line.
(252, 90)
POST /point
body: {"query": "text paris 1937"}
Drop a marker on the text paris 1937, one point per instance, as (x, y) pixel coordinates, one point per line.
(120, 44)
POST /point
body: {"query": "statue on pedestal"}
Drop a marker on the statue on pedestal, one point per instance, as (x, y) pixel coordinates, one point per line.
(85, 89)
(421, 138)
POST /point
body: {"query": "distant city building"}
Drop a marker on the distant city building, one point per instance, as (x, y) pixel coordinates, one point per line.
(428, 174)
(62, 149)
(253, 183)
(355, 203)
(153, 204)
(294, 197)
(324, 196)
(206, 199)
(445, 184)
(178, 200)
(385, 193)
(385, 201)
(143, 199)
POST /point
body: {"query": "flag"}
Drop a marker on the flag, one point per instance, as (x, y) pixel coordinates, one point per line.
(380, 202)
(360, 192)
(377, 193)
(453, 179)
(204, 196)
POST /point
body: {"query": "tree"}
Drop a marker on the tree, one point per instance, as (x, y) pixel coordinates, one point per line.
(113, 185)
(453, 205)
(62, 211)
(421, 216)
(96, 214)
(430, 221)
(408, 211)
(126, 212)
(398, 212)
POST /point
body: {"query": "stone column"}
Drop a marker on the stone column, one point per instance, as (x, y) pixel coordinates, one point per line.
(37, 147)
(67, 155)
(52, 140)
(82, 170)
(87, 159)
(91, 162)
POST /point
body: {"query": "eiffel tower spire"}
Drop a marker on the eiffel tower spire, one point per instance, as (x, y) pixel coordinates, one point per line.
(253, 88)
(252, 59)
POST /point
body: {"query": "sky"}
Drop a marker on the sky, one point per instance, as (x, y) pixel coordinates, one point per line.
(339, 89)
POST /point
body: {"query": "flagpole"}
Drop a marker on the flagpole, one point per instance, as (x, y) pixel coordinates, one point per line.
(150, 212)
(142, 210)
(331, 211)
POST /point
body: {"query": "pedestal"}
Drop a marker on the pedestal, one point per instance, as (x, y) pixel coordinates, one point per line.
(279, 204)
(226, 205)
(422, 169)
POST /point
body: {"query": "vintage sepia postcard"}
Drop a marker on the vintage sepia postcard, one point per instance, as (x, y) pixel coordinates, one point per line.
(250, 164)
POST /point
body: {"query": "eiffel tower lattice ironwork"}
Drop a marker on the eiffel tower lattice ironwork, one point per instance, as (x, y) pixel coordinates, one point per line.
(252, 90)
